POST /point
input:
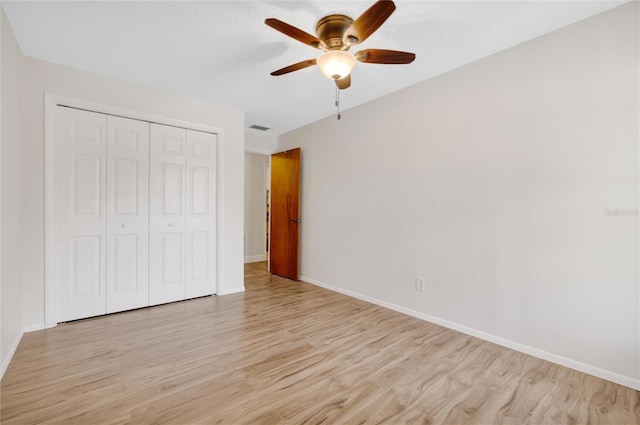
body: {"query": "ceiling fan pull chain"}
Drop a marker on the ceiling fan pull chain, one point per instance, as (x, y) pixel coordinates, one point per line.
(338, 101)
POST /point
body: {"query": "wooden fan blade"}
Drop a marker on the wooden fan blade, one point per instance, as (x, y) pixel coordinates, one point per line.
(369, 21)
(345, 83)
(295, 67)
(385, 56)
(293, 32)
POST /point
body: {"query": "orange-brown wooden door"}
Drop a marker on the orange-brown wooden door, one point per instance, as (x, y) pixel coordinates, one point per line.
(284, 213)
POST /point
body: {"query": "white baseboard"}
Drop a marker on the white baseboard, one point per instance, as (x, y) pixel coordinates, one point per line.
(12, 351)
(255, 258)
(231, 291)
(554, 358)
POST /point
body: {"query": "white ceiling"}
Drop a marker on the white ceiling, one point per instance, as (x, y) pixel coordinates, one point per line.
(223, 52)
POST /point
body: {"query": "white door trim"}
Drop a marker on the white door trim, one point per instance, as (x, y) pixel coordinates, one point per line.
(50, 102)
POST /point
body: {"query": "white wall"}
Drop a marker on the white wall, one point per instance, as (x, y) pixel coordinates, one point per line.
(10, 259)
(255, 200)
(2, 354)
(39, 77)
(492, 181)
(262, 142)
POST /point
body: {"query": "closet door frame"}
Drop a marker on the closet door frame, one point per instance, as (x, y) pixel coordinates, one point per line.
(51, 102)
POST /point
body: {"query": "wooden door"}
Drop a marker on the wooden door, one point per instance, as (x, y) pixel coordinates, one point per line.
(80, 207)
(285, 213)
(167, 222)
(201, 214)
(127, 214)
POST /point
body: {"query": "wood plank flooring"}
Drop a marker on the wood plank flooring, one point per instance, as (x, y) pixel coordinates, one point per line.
(290, 353)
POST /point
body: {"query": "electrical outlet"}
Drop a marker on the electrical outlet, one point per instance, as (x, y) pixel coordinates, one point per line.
(420, 284)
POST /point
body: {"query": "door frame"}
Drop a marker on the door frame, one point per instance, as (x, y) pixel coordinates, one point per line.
(51, 101)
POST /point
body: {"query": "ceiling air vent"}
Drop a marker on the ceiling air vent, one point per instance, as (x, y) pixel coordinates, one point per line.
(259, 127)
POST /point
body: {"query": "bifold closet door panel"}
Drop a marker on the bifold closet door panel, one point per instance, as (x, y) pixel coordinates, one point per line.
(167, 214)
(127, 214)
(80, 208)
(201, 214)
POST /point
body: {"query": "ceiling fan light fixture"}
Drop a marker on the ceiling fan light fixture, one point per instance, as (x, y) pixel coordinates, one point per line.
(336, 64)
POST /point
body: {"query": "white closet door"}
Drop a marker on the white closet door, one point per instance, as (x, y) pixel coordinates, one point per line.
(201, 214)
(127, 214)
(80, 208)
(167, 214)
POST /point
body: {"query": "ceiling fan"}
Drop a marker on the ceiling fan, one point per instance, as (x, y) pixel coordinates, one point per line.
(336, 34)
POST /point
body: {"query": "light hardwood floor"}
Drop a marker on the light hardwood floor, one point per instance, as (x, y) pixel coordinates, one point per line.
(290, 353)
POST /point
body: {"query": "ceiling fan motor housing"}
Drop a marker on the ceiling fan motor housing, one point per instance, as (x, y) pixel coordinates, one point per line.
(330, 30)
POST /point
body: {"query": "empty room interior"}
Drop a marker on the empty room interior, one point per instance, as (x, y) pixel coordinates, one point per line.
(305, 212)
